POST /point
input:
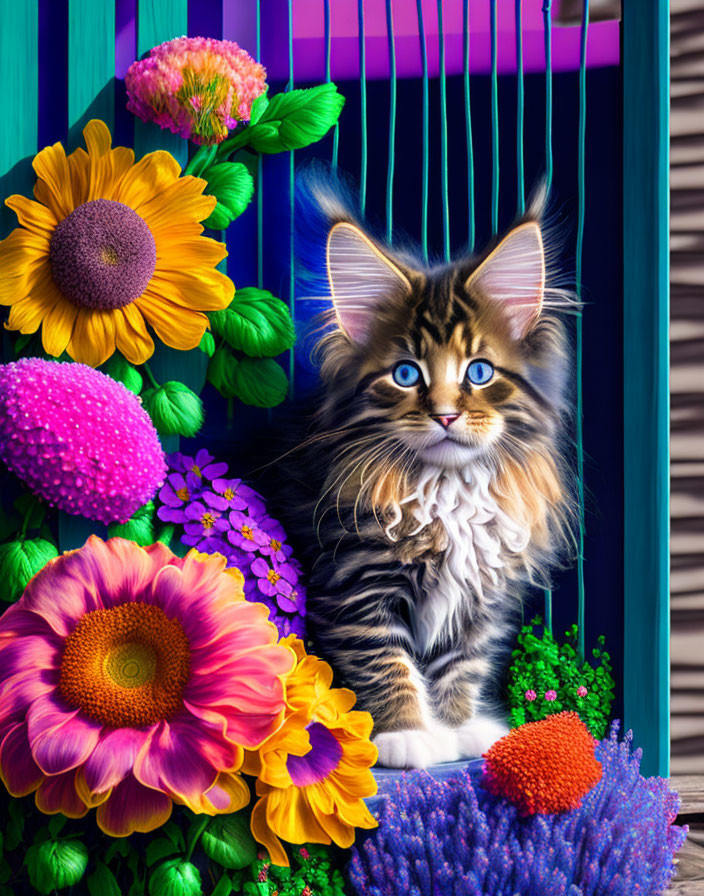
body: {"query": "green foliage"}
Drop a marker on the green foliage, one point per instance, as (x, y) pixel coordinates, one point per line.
(102, 881)
(540, 664)
(228, 841)
(175, 410)
(293, 119)
(19, 561)
(207, 344)
(260, 382)
(175, 878)
(221, 371)
(311, 866)
(121, 370)
(233, 187)
(256, 323)
(139, 528)
(56, 864)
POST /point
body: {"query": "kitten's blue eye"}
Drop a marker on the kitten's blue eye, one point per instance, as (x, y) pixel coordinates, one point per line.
(406, 374)
(480, 372)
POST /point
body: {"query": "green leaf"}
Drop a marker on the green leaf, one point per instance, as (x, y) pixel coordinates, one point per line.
(22, 342)
(207, 344)
(174, 834)
(258, 107)
(174, 409)
(19, 561)
(121, 370)
(221, 371)
(31, 509)
(260, 382)
(227, 840)
(56, 864)
(256, 323)
(233, 186)
(166, 534)
(201, 160)
(159, 849)
(223, 887)
(296, 119)
(102, 881)
(175, 878)
(140, 528)
(57, 824)
(14, 828)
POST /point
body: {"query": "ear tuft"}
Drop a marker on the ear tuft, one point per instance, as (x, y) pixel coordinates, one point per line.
(514, 274)
(361, 278)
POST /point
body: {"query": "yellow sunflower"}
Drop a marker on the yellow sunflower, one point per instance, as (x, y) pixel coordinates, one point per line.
(109, 247)
(314, 772)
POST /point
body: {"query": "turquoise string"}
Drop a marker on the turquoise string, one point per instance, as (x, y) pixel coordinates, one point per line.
(426, 132)
(260, 174)
(581, 194)
(547, 31)
(520, 110)
(468, 127)
(392, 123)
(291, 193)
(363, 95)
(443, 139)
(328, 47)
(494, 121)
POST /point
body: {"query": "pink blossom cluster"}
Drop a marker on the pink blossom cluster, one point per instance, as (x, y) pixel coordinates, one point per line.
(197, 87)
(78, 439)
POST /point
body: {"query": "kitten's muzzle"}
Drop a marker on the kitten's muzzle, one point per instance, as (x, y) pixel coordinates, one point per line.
(445, 420)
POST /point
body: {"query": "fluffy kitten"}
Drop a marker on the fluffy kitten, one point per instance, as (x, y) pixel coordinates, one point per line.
(441, 490)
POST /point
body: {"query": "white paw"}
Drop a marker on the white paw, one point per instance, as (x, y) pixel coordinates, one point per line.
(476, 735)
(416, 748)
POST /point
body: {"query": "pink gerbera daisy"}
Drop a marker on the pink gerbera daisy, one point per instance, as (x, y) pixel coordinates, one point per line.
(131, 679)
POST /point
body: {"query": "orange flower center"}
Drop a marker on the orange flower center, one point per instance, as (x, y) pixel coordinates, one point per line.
(247, 533)
(275, 544)
(182, 493)
(126, 667)
(273, 576)
(208, 520)
(229, 494)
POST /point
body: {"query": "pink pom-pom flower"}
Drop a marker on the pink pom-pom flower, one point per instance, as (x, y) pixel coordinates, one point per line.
(530, 695)
(197, 87)
(550, 696)
(582, 691)
(79, 440)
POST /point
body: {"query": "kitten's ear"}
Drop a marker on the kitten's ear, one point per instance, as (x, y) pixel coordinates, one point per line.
(361, 277)
(514, 274)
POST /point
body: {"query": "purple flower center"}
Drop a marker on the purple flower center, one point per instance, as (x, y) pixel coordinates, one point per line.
(322, 758)
(102, 255)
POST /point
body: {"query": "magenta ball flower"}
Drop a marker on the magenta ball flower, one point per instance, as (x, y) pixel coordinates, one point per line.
(582, 691)
(530, 695)
(550, 696)
(197, 87)
(131, 679)
(78, 439)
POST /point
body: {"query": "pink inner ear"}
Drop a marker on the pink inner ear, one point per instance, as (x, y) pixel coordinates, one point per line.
(360, 279)
(514, 274)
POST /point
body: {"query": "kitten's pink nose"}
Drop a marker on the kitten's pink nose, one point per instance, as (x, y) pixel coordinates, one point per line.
(445, 419)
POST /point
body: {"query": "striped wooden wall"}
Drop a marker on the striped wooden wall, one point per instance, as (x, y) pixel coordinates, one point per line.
(687, 385)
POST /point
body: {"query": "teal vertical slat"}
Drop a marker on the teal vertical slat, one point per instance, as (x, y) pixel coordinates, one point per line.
(581, 197)
(426, 132)
(363, 105)
(520, 109)
(19, 79)
(328, 78)
(547, 36)
(292, 212)
(646, 665)
(494, 120)
(158, 21)
(468, 127)
(91, 64)
(443, 139)
(260, 170)
(391, 158)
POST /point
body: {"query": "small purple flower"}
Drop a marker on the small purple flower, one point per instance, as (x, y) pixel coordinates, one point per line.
(276, 582)
(201, 465)
(203, 522)
(275, 546)
(230, 494)
(530, 695)
(582, 691)
(245, 532)
(550, 696)
(175, 494)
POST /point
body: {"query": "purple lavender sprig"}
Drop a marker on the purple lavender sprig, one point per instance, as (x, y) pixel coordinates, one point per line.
(222, 515)
(451, 838)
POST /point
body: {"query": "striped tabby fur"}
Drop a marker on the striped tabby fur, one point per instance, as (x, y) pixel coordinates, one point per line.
(429, 528)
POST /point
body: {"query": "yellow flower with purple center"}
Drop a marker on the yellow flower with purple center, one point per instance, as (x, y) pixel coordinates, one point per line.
(131, 679)
(313, 774)
(197, 87)
(109, 247)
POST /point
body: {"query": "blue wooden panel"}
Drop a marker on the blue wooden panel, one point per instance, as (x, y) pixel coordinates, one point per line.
(646, 387)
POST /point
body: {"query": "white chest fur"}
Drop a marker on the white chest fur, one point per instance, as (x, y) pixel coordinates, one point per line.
(480, 540)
